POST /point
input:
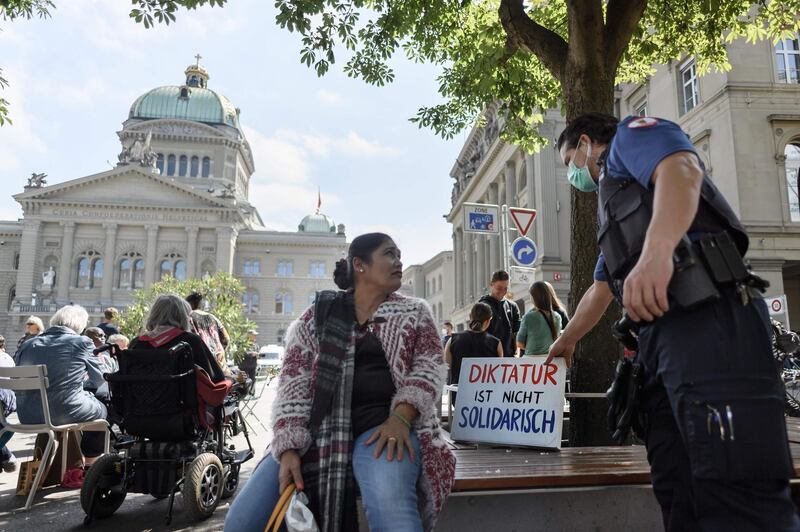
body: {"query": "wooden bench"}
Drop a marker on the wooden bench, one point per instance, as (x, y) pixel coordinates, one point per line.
(578, 488)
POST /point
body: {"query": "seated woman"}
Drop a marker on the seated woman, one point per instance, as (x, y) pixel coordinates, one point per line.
(358, 406)
(69, 360)
(167, 325)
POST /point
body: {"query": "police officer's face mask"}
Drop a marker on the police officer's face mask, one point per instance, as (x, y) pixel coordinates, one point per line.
(581, 178)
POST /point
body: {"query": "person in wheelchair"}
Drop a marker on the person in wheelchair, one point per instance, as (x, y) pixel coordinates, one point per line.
(176, 422)
(167, 325)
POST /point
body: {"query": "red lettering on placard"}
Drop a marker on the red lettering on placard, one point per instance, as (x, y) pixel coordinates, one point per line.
(474, 376)
(490, 374)
(514, 376)
(505, 372)
(551, 371)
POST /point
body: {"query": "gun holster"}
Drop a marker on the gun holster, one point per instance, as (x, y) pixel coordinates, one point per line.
(623, 399)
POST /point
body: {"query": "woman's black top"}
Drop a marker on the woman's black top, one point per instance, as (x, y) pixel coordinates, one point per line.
(564, 318)
(200, 352)
(373, 387)
(470, 344)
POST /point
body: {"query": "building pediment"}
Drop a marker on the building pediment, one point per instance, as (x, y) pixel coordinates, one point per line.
(125, 186)
(182, 128)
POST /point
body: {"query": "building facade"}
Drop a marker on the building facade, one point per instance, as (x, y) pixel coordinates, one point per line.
(433, 281)
(177, 204)
(489, 170)
(745, 124)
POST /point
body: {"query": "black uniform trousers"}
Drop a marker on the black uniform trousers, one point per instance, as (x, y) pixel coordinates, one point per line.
(716, 433)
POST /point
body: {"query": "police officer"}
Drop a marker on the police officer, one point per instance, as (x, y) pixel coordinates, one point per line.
(713, 403)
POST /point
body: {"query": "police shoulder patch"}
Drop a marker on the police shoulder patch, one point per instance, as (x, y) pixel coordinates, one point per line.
(642, 122)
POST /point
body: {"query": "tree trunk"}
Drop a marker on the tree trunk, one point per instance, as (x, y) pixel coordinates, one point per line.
(587, 89)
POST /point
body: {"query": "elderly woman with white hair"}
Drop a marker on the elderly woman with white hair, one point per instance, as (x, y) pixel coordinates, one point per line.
(168, 324)
(70, 362)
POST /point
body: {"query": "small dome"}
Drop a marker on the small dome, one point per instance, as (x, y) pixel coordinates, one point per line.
(317, 223)
(191, 101)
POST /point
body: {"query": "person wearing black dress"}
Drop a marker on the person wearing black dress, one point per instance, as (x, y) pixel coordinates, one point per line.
(472, 343)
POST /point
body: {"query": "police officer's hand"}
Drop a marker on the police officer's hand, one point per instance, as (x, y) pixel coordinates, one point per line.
(645, 290)
(561, 348)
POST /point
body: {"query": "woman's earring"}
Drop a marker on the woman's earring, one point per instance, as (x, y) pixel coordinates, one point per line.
(360, 270)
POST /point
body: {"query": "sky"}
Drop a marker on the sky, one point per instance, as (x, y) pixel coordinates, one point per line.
(74, 76)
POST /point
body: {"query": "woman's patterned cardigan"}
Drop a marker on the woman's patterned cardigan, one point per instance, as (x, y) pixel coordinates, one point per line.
(414, 353)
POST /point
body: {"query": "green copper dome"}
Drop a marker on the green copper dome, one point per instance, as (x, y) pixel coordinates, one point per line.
(317, 223)
(193, 101)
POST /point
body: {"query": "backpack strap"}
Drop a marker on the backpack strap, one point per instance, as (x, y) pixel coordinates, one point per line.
(322, 307)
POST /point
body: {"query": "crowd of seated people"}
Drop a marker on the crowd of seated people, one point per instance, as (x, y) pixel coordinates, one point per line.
(77, 390)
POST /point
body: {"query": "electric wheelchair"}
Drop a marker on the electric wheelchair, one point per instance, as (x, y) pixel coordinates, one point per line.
(175, 426)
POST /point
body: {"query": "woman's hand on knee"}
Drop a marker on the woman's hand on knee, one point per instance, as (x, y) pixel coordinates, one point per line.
(290, 470)
(396, 437)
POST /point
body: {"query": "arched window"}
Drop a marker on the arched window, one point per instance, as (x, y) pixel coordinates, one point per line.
(284, 304)
(180, 270)
(172, 265)
(792, 153)
(194, 166)
(126, 271)
(12, 295)
(16, 261)
(441, 315)
(138, 274)
(440, 282)
(89, 269)
(206, 170)
(160, 163)
(182, 162)
(124, 274)
(251, 301)
(171, 164)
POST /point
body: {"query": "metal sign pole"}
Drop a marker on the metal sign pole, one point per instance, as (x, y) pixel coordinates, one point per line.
(504, 236)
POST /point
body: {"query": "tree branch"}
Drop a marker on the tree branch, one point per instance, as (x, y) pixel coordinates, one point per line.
(586, 32)
(534, 38)
(622, 18)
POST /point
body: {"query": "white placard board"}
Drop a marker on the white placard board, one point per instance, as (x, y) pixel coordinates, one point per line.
(481, 218)
(514, 401)
(778, 309)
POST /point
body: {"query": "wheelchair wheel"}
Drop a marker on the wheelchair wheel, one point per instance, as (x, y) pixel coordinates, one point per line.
(102, 492)
(231, 481)
(202, 486)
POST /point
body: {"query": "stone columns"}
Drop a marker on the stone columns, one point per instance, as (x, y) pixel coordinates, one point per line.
(27, 260)
(458, 261)
(226, 236)
(494, 240)
(150, 255)
(547, 192)
(469, 278)
(511, 183)
(191, 252)
(65, 263)
(109, 259)
(480, 271)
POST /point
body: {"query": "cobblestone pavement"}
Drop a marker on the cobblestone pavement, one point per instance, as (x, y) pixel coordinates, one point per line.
(59, 509)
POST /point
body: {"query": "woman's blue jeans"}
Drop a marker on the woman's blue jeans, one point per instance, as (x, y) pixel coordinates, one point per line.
(388, 491)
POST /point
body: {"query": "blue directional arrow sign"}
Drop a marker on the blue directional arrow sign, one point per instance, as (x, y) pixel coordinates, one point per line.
(523, 251)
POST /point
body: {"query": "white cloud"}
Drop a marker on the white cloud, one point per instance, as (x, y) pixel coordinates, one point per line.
(20, 137)
(329, 97)
(357, 146)
(277, 159)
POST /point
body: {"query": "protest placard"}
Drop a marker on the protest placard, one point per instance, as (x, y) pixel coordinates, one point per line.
(516, 401)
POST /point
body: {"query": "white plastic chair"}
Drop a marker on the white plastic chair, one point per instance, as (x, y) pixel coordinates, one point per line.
(35, 378)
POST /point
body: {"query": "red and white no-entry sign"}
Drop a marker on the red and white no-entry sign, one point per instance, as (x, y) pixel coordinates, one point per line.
(523, 218)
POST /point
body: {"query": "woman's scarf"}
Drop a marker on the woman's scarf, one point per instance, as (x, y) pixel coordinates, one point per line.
(327, 472)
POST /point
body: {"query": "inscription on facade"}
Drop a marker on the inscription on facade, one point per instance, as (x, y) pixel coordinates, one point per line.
(134, 216)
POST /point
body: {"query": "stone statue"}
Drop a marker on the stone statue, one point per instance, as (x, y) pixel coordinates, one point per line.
(49, 277)
(138, 151)
(37, 180)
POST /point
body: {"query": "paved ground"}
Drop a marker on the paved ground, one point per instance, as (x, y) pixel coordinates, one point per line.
(59, 509)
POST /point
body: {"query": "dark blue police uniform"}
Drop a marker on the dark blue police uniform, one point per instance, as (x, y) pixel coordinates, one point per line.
(713, 402)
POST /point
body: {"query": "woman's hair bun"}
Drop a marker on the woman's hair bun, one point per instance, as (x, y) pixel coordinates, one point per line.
(341, 275)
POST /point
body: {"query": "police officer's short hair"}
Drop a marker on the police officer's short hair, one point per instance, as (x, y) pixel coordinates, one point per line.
(598, 126)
